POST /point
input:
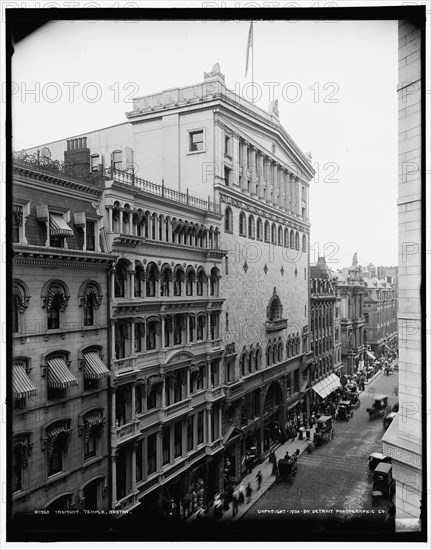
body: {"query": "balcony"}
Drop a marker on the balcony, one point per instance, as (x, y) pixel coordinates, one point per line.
(175, 410)
(277, 324)
(234, 390)
(124, 366)
(214, 394)
(127, 431)
(214, 447)
(126, 504)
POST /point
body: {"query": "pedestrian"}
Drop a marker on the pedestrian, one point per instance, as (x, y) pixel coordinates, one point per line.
(241, 491)
(275, 468)
(218, 507)
(235, 499)
(272, 457)
(259, 479)
(248, 491)
(286, 456)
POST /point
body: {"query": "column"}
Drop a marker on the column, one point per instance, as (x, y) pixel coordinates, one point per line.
(132, 284)
(121, 220)
(164, 394)
(188, 383)
(114, 476)
(296, 205)
(133, 416)
(144, 459)
(244, 186)
(159, 451)
(113, 340)
(267, 165)
(261, 177)
(219, 421)
(287, 190)
(209, 376)
(184, 437)
(132, 337)
(110, 228)
(171, 444)
(187, 328)
(208, 316)
(275, 187)
(253, 172)
(162, 332)
(282, 187)
(112, 283)
(133, 468)
(209, 425)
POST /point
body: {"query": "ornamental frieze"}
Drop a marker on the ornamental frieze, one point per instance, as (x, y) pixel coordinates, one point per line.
(402, 455)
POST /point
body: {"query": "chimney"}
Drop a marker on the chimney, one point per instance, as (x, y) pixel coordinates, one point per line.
(77, 156)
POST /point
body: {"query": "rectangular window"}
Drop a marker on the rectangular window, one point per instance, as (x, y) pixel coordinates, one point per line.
(230, 371)
(95, 161)
(226, 266)
(166, 446)
(90, 446)
(190, 422)
(200, 427)
(178, 390)
(90, 232)
(196, 142)
(227, 176)
(117, 160)
(178, 439)
(227, 322)
(214, 374)
(151, 400)
(200, 328)
(151, 453)
(227, 145)
(215, 423)
(56, 241)
(138, 398)
(16, 214)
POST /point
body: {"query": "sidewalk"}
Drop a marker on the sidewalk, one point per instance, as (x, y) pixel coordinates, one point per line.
(267, 478)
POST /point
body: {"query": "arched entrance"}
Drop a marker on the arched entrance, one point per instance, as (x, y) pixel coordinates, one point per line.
(272, 415)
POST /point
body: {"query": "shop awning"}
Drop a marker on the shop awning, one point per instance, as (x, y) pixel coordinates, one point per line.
(59, 376)
(371, 356)
(58, 226)
(327, 385)
(21, 383)
(94, 368)
(231, 435)
(386, 346)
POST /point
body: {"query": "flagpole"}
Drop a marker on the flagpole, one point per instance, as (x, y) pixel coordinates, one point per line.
(252, 60)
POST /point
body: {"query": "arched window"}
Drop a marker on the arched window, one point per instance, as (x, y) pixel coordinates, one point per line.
(273, 234)
(55, 301)
(275, 309)
(242, 224)
(179, 278)
(214, 281)
(251, 227)
(243, 362)
(91, 299)
(286, 238)
(166, 276)
(251, 365)
(258, 358)
(288, 348)
(228, 220)
(274, 354)
(20, 301)
(121, 276)
(304, 243)
(280, 235)
(268, 356)
(154, 327)
(297, 241)
(190, 279)
(292, 239)
(92, 431)
(259, 234)
(139, 279)
(201, 281)
(152, 276)
(267, 231)
(280, 352)
(57, 443)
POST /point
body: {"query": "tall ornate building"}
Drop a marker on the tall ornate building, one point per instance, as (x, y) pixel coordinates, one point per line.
(324, 364)
(222, 337)
(59, 322)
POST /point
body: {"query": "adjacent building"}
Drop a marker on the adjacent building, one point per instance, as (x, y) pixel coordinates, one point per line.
(403, 440)
(59, 322)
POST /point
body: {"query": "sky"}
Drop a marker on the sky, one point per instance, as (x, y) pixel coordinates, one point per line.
(335, 83)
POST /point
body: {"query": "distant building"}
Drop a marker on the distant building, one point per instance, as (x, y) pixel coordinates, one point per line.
(324, 363)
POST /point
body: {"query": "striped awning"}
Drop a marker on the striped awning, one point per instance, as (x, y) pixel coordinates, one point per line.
(371, 355)
(59, 376)
(94, 368)
(61, 435)
(58, 226)
(21, 383)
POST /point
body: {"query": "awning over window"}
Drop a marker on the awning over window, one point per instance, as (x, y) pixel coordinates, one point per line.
(371, 355)
(93, 423)
(94, 367)
(59, 376)
(21, 383)
(59, 434)
(327, 385)
(58, 226)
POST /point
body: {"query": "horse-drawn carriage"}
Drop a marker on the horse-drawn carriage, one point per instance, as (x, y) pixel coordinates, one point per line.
(379, 407)
(324, 430)
(383, 485)
(287, 468)
(353, 397)
(344, 411)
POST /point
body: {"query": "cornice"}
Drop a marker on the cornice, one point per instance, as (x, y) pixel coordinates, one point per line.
(54, 257)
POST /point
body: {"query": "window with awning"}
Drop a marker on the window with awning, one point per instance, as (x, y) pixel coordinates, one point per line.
(22, 385)
(327, 385)
(58, 226)
(58, 438)
(59, 375)
(93, 426)
(94, 368)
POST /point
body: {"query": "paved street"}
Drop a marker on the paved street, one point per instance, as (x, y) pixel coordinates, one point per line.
(333, 480)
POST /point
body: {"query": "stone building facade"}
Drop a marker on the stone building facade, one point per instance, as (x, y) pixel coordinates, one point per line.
(59, 322)
(403, 440)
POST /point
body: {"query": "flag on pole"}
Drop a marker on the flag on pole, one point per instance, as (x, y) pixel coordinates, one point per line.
(249, 45)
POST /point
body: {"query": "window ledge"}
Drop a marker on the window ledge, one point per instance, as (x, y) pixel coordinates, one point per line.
(57, 477)
(196, 152)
